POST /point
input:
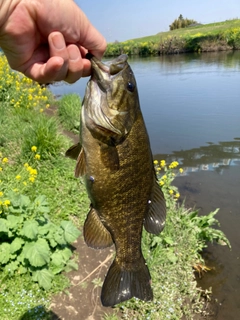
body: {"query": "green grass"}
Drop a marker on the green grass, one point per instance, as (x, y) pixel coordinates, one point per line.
(210, 37)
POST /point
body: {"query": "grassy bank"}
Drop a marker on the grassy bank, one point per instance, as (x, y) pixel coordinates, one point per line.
(42, 209)
(210, 37)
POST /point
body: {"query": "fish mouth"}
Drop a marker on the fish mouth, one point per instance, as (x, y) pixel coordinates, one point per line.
(102, 73)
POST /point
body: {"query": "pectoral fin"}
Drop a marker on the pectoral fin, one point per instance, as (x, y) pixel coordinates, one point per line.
(155, 219)
(95, 234)
(74, 151)
(80, 169)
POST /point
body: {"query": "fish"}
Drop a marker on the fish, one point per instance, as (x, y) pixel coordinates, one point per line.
(114, 159)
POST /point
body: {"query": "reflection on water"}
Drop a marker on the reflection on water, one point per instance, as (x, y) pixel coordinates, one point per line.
(213, 157)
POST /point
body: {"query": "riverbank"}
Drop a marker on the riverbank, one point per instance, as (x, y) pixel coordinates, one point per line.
(33, 165)
(218, 36)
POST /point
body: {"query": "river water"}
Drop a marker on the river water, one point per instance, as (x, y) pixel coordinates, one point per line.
(191, 106)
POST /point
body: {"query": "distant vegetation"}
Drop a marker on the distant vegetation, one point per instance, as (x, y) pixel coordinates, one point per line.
(180, 22)
(218, 36)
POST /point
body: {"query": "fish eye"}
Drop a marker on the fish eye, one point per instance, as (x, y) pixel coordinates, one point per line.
(130, 86)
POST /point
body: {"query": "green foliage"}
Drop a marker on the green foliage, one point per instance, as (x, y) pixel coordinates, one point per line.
(31, 243)
(180, 22)
(69, 112)
(44, 134)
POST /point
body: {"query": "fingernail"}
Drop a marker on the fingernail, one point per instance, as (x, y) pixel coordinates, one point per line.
(73, 52)
(58, 41)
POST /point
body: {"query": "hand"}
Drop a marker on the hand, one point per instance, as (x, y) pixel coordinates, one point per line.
(48, 40)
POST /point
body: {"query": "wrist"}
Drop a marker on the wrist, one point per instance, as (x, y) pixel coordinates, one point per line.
(6, 8)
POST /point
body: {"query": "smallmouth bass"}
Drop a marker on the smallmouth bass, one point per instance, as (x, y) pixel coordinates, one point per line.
(115, 160)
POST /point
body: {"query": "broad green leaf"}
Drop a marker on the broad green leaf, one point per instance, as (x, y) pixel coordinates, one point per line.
(16, 245)
(59, 237)
(44, 229)
(52, 242)
(41, 204)
(71, 265)
(14, 221)
(44, 278)
(71, 233)
(57, 269)
(66, 253)
(57, 259)
(30, 229)
(3, 225)
(12, 266)
(4, 253)
(22, 270)
(19, 201)
(38, 253)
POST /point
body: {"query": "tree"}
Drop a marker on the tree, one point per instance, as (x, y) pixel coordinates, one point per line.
(180, 22)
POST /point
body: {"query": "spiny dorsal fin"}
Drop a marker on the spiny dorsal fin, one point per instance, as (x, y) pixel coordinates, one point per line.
(73, 151)
(155, 218)
(95, 234)
(80, 169)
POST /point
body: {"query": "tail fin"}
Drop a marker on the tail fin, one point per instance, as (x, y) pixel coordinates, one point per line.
(121, 284)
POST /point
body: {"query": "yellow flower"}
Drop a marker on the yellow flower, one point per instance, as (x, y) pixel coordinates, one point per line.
(1, 193)
(32, 179)
(18, 177)
(164, 177)
(26, 165)
(163, 163)
(161, 183)
(155, 162)
(174, 164)
(171, 191)
(5, 160)
(41, 110)
(1, 168)
(181, 170)
(177, 195)
(47, 106)
(33, 172)
(37, 156)
(34, 148)
(6, 203)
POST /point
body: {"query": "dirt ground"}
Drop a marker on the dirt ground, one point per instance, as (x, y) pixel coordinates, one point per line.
(82, 300)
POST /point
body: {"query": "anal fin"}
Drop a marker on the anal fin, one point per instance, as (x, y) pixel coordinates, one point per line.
(95, 234)
(155, 218)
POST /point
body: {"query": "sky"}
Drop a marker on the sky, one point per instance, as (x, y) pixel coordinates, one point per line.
(124, 20)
